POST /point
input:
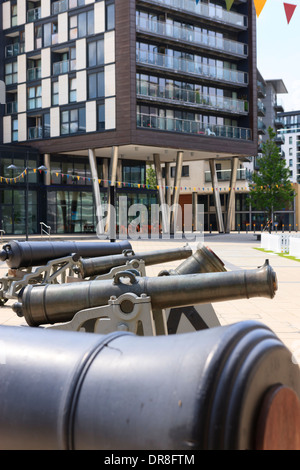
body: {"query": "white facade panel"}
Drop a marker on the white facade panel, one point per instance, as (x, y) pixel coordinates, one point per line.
(99, 17)
(54, 122)
(109, 47)
(6, 129)
(63, 89)
(110, 80)
(22, 12)
(46, 93)
(22, 68)
(80, 54)
(81, 85)
(22, 99)
(110, 113)
(22, 127)
(45, 8)
(6, 15)
(46, 62)
(91, 116)
(29, 37)
(63, 27)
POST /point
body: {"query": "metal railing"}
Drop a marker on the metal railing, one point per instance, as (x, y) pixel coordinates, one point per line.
(43, 230)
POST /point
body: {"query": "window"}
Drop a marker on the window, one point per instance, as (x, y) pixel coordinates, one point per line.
(14, 15)
(14, 130)
(96, 53)
(81, 25)
(101, 117)
(72, 90)
(73, 121)
(96, 85)
(184, 172)
(290, 162)
(38, 34)
(110, 17)
(290, 151)
(290, 140)
(11, 73)
(34, 97)
(46, 125)
(55, 96)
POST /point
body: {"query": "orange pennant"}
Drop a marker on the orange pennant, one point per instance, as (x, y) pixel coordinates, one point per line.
(289, 11)
(259, 4)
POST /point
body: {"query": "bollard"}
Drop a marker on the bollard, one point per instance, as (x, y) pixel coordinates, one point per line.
(217, 389)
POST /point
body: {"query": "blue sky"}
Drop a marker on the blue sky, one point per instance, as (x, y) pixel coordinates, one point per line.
(278, 49)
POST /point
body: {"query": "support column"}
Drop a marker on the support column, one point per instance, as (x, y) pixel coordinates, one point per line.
(230, 223)
(47, 164)
(111, 188)
(214, 180)
(161, 194)
(195, 211)
(176, 190)
(168, 183)
(96, 191)
(105, 172)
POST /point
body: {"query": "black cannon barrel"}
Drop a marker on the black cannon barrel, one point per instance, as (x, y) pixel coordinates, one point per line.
(53, 303)
(37, 253)
(89, 267)
(204, 260)
(218, 389)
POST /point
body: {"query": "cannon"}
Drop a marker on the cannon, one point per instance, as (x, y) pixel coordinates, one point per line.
(26, 254)
(50, 304)
(91, 267)
(233, 387)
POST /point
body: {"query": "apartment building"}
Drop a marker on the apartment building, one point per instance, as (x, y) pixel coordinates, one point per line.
(96, 90)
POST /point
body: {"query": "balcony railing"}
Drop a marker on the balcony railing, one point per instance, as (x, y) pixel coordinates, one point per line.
(191, 36)
(194, 98)
(59, 7)
(64, 66)
(225, 175)
(149, 121)
(34, 14)
(12, 50)
(186, 66)
(211, 11)
(35, 133)
(12, 107)
(34, 73)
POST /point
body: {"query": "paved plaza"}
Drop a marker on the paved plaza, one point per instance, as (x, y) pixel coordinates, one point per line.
(237, 251)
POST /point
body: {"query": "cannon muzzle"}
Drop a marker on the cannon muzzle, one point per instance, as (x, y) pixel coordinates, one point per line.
(24, 254)
(217, 389)
(89, 267)
(42, 304)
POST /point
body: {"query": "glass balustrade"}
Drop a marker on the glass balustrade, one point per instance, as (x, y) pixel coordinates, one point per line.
(184, 95)
(191, 36)
(191, 67)
(35, 133)
(34, 73)
(33, 14)
(192, 127)
(12, 50)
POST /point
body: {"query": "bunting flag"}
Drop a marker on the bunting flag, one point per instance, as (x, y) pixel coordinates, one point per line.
(259, 4)
(229, 4)
(289, 10)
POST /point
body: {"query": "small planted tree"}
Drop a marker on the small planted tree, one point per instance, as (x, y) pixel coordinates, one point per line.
(271, 189)
(151, 178)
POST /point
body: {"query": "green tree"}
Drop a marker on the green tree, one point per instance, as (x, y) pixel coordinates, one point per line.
(271, 189)
(151, 178)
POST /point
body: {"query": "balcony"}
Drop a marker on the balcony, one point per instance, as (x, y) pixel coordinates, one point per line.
(11, 107)
(278, 123)
(35, 133)
(184, 96)
(185, 66)
(192, 37)
(242, 174)
(261, 127)
(33, 14)
(12, 50)
(64, 66)
(148, 121)
(34, 73)
(59, 7)
(212, 12)
(261, 109)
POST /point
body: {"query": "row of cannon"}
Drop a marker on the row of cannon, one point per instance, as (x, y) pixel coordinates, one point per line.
(158, 372)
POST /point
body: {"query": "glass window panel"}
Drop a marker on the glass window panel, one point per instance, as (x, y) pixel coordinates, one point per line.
(100, 52)
(82, 25)
(92, 86)
(90, 22)
(92, 53)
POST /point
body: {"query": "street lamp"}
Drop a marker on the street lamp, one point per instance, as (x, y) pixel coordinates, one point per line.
(14, 167)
